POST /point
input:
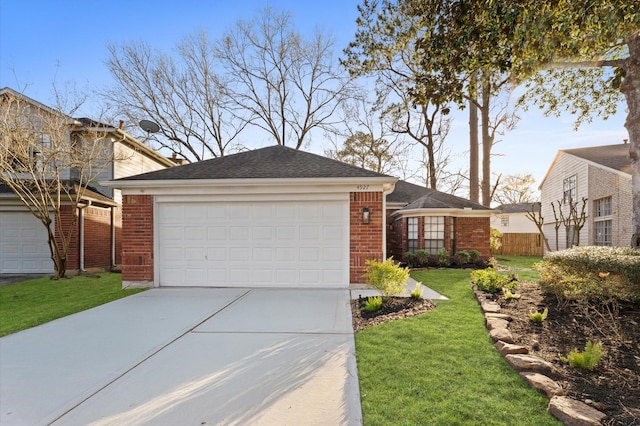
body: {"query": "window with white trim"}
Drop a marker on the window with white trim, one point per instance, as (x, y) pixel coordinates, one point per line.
(412, 234)
(504, 220)
(569, 186)
(603, 223)
(433, 233)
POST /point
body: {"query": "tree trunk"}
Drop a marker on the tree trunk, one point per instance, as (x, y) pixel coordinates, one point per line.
(474, 184)
(630, 87)
(486, 141)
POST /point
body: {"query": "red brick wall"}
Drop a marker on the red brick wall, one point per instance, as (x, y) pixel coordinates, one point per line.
(137, 238)
(97, 237)
(472, 233)
(365, 239)
(66, 217)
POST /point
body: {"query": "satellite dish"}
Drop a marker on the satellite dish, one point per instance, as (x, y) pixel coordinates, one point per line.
(149, 126)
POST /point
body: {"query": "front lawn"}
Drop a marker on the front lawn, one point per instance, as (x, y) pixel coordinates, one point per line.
(34, 302)
(441, 368)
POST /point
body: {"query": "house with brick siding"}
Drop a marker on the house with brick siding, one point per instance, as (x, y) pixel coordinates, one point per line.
(601, 176)
(420, 218)
(97, 237)
(272, 217)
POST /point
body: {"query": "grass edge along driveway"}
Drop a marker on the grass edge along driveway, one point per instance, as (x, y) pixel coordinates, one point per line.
(33, 302)
(441, 368)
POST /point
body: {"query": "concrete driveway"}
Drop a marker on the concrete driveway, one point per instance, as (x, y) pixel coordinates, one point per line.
(193, 356)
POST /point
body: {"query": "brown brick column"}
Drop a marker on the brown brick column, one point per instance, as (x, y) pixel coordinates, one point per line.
(137, 240)
(365, 238)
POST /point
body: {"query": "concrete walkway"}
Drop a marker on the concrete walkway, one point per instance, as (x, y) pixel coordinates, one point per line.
(363, 290)
(188, 356)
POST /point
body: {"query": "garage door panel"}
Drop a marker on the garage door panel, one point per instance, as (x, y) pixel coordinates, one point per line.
(23, 244)
(281, 244)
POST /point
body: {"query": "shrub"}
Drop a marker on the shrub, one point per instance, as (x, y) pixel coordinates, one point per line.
(587, 359)
(508, 295)
(495, 240)
(443, 256)
(464, 256)
(386, 276)
(411, 259)
(417, 292)
(474, 256)
(372, 304)
(538, 317)
(591, 274)
(490, 281)
(423, 257)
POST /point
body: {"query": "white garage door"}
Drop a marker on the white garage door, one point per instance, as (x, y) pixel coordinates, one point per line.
(264, 244)
(23, 244)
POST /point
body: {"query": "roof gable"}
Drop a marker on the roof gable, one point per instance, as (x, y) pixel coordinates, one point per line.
(519, 207)
(612, 156)
(273, 162)
(406, 192)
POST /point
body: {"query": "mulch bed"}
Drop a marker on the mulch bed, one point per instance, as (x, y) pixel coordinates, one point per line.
(613, 387)
(393, 308)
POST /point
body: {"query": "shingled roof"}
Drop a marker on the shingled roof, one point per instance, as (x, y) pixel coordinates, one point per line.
(439, 200)
(405, 192)
(519, 207)
(273, 162)
(613, 156)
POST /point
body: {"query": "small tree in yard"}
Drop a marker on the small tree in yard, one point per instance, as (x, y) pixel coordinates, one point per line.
(386, 276)
(48, 159)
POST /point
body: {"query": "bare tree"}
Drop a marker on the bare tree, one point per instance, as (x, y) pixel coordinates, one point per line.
(516, 189)
(535, 215)
(365, 139)
(48, 159)
(186, 95)
(572, 221)
(289, 84)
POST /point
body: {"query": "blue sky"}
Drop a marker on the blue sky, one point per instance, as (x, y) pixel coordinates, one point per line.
(65, 40)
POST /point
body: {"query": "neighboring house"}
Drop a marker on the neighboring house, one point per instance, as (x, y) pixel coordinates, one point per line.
(601, 175)
(520, 235)
(421, 218)
(97, 237)
(512, 218)
(272, 217)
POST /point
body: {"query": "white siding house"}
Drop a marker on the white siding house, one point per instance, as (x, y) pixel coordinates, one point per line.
(512, 218)
(599, 175)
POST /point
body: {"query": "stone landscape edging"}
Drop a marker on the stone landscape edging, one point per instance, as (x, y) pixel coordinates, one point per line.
(536, 372)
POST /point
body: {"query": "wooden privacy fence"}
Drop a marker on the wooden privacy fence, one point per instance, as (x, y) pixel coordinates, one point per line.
(521, 245)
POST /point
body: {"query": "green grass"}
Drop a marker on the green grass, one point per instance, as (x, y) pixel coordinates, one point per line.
(520, 265)
(29, 303)
(440, 368)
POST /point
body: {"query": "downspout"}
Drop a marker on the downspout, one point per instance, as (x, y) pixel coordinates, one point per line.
(81, 235)
(386, 190)
(113, 238)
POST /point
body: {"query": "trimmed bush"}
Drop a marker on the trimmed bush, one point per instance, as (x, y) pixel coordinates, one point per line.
(386, 276)
(463, 256)
(490, 281)
(591, 274)
(411, 259)
(423, 257)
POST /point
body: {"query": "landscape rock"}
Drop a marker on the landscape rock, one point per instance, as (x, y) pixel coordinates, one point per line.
(490, 307)
(574, 413)
(501, 334)
(497, 323)
(507, 348)
(497, 315)
(530, 363)
(542, 384)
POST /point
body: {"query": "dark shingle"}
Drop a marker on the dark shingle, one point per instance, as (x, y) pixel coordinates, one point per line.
(519, 207)
(613, 156)
(406, 192)
(275, 162)
(439, 200)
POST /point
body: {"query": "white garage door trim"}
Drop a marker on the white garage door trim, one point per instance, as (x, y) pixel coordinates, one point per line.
(23, 244)
(265, 243)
